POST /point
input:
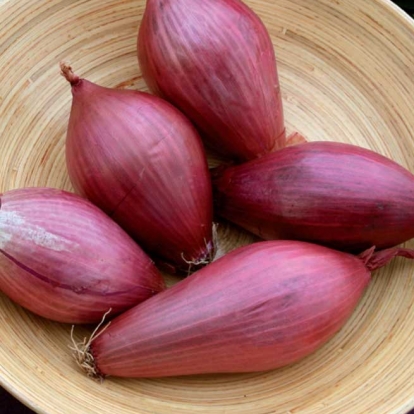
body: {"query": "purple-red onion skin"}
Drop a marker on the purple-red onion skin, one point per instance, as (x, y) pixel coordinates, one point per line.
(258, 308)
(215, 61)
(339, 195)
(64, 259)
(140, 160)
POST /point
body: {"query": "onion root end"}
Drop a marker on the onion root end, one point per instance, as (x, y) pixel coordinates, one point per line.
(81, 351)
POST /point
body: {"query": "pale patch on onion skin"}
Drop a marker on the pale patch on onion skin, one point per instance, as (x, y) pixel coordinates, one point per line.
(43, 238)
(11, 218)
(13, 225)
(8, 219)
(4, 239)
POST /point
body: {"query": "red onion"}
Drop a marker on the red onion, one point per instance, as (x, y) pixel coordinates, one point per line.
(215, 61)
(64, 259)
(260, 307)
(329, 193)
(142, 162)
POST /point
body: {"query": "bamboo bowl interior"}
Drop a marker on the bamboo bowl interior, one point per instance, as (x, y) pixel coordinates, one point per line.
(346, 70)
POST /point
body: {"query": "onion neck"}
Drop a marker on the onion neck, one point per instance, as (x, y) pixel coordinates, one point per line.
(374, 260)
(69, 75)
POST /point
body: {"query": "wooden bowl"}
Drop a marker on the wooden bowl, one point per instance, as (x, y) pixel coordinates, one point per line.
(346, 70)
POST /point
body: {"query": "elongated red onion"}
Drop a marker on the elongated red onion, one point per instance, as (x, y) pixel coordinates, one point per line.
(64, 259)
(258, 308)
(142, 162)
(329, 193)
(215, 61)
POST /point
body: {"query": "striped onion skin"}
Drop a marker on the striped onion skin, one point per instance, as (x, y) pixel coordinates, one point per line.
(64, 259)
(335, 194)
(214, 60)
(141, 161)
(260, 307)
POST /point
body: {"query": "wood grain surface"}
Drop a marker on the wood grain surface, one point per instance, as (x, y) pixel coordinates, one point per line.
(346, 72)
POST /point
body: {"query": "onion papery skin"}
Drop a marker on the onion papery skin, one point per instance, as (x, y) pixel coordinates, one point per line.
(260, 307)
(214, 60)
(141, 161)
(335, 194)
(64, 259)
